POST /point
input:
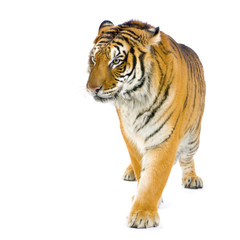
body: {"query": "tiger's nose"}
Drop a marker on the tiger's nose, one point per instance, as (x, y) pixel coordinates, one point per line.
(94, 89)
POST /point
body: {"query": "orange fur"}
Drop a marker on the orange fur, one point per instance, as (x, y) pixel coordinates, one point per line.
(159, 90)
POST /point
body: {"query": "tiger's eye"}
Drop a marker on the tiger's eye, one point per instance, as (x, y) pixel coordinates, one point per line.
(116, 61)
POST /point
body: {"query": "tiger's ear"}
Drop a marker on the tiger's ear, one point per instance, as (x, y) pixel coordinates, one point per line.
(104, 26)
(155, 39)
(105, 23)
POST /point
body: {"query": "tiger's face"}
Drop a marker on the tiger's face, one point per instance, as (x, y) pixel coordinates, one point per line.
(120, 59)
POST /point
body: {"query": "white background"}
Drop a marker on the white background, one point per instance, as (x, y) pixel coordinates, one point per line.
(62, 155)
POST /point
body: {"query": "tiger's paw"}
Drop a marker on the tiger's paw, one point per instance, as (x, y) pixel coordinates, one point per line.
(129, 174)
(143, 219)
(193, 182)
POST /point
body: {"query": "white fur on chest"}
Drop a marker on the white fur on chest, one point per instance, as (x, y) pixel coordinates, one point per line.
(131, 124)
(129, 128)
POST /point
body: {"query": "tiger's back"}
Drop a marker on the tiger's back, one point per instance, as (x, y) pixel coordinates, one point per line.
(158, 89)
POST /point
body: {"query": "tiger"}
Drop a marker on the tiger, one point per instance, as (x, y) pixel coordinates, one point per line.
(158, 89)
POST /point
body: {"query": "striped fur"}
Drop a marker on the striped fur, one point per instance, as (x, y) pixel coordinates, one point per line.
(158, 89)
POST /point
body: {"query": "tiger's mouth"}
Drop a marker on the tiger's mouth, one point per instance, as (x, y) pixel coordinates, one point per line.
(103, 99)
(107, 96)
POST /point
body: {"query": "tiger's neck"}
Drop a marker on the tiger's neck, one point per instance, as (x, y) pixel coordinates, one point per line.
(138, 98)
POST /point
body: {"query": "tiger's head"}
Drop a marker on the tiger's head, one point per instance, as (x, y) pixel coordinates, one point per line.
(120, 61)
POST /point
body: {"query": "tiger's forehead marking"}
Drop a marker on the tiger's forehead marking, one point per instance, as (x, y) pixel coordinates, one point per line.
(111, 50)
(117, 50)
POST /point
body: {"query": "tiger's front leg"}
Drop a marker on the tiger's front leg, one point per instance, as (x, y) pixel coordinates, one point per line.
(156, 166)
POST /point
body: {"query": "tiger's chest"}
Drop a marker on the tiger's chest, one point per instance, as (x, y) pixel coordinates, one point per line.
(133, 121)
(130, 123)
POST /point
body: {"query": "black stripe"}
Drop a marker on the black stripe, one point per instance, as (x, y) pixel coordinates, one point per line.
(165, 96)
(118, 43)
(142, 64)
(175, 46)
(126, 57)
(102, 42)
(123, 38)
(171, 131)
(198, 125)
(168, 137)
(157, 53)
(118, 80)
(131, 80)
(193, 149)
(195, 93)
(130, 35)
(195, 141)
(117, 47)
(157, 130)
(111, 31)
(160, 68)
(185, 102)
(110, 37)
(134, 62)
(136, 87)
(164, 50)
(130, 31)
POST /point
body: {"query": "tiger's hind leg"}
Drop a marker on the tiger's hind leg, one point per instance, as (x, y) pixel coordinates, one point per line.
(189, 176)
(129, 174)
